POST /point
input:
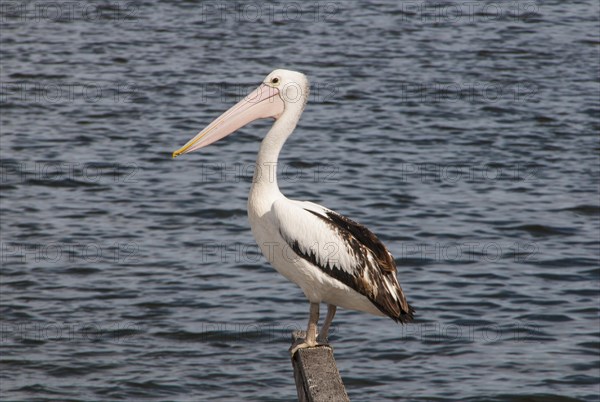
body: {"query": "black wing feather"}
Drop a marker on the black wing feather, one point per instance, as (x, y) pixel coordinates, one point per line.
(374, 277)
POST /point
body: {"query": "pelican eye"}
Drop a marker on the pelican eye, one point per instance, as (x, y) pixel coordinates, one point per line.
(275, 80)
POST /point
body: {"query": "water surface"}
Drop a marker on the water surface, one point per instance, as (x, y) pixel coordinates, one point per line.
(465, 137)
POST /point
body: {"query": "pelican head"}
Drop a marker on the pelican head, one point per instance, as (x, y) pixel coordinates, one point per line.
(282, 93)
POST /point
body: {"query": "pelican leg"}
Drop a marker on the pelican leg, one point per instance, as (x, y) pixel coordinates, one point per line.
(331, 308)
(311, 332)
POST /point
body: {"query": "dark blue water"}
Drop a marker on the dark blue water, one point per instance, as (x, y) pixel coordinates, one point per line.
(464, 135)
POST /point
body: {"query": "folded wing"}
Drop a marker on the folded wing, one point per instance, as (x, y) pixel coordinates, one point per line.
(344, 250)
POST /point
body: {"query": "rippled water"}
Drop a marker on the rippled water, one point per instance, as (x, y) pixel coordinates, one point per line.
(464, 136)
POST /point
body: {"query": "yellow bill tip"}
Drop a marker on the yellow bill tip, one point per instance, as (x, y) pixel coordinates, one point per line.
(181, 150)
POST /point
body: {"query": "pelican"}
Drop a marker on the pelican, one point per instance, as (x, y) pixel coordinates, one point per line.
(333, 259)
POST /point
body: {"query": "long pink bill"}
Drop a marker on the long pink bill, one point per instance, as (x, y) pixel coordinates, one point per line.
(263, 102)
